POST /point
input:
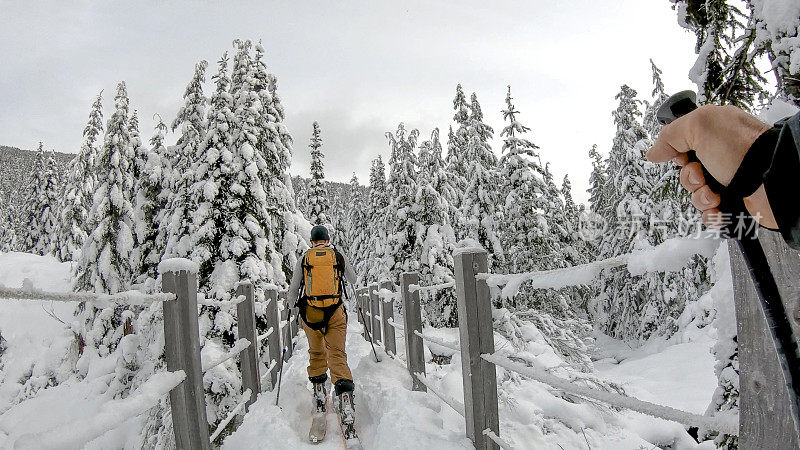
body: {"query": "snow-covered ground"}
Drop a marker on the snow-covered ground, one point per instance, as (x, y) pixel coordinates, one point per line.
(677, 373)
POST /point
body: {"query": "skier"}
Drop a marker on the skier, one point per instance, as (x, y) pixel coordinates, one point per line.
(318, 284)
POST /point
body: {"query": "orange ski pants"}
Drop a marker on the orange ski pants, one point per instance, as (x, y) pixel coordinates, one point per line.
(326, 351)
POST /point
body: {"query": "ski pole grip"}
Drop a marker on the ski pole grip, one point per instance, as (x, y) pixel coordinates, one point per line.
(678, 105)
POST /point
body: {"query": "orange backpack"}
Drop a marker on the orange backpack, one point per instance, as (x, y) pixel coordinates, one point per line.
(323, 268)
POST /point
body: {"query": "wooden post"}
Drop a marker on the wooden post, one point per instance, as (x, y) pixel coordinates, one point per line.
(274, 340)
(387, 308)
(769, 414)
(286, 337)
(182, 351)
(368, 313)
(248, 359)
(475, 330)
(412, 318)
(360, 308)
(375, 308)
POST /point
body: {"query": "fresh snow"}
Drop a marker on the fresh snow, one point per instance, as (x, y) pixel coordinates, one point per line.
(177, 265)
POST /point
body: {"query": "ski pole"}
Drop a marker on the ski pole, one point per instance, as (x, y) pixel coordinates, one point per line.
(360, 311)
(280, 376)
(753, 254)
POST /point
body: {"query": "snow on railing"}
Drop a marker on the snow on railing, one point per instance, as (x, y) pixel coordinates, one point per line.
(238, 409)
(202, 300)
(451, 402)
(237, 348)
(395, 325)
(498, 440)
(433, 287)
(261, 337)
(133, 298)
(728, 424)
(78, 433)
(452, 346)
(670, 255)
(272, 365)
(386, 295)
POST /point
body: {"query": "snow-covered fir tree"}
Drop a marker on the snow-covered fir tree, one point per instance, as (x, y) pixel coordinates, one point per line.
(373, 267)
(79, 188)
(41, 205)
(355, 234)
(275, 144)
(317, 193)
(776, 34)
(176, 224)
(480, 216)
(8, 234)
(106, 264)
(402, 215)
(435, 235)
(524, 229)
(148, 202)
(457, 151)
(725, 70)
(623, 297)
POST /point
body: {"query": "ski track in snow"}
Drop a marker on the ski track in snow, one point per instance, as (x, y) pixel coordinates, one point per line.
(388, 414)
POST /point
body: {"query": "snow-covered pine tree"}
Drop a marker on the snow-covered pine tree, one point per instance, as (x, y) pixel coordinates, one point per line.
(50, 208)
(725, 70)
(317, 192)
(275, 143)
(480, 217)
(402, 215)
(457, 141)
(777, 27)
(245, 247)
(148, 202)
(598, 191)
(79, 188)
(176, 224)
(214, 181)
(355, 231)
(31, 205)
(435, 236)
(622, 302)
(374, 266)
(105, 264)
(41, 206)
(8, 234)
(524, 229)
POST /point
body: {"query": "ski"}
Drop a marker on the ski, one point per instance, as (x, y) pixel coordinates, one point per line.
(319, 423)
(350, 437)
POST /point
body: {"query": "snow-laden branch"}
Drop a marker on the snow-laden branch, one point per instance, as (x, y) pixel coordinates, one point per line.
(201, 300)
(132, 298)
(433, 287)
(112, 414)
(451, 402)
(221, 427)
(498, 440)
(451, 345)
(237, 348)
(266, 335)
(724, 424)
(670, 255)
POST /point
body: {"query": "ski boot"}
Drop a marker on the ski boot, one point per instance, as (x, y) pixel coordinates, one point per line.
(320, 398)
(345, 406)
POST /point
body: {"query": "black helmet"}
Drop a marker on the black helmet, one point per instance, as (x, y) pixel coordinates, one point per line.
(320, 233)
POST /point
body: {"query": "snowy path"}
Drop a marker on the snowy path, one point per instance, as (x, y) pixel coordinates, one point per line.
(388, 414)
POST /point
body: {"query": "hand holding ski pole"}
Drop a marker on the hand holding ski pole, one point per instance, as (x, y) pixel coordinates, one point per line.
(720, 137)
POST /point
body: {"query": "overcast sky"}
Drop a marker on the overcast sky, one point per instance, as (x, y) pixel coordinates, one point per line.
(359, 68)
